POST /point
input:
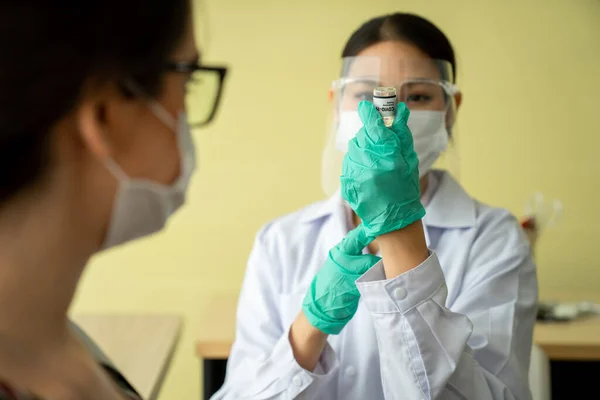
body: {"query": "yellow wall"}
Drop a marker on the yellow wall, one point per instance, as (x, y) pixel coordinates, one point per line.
(530, 74)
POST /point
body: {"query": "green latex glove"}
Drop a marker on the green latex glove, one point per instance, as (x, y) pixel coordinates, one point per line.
(380, 173)
(332, 299)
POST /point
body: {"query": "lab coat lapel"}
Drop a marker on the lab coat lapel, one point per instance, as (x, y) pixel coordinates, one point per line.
(450, 206)
(330, 214)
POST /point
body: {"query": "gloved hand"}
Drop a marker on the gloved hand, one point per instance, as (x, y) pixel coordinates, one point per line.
(332, 298)
(380, 174)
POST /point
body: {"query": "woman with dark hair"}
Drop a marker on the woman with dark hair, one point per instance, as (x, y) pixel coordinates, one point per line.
(442, 305)
(95, 151)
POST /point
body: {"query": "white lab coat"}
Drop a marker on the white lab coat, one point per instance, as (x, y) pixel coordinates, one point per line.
(458, 326)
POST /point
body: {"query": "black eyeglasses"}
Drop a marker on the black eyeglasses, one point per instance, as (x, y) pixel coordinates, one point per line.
(203, 90)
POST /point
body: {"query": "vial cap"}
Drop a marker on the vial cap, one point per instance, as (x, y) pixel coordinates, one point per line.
(384, 92)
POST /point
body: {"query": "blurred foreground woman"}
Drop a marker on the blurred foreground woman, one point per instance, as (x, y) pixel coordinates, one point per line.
(95, 151)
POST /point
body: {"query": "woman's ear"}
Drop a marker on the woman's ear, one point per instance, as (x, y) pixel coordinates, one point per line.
(101, 116)
(91, 126)
(458, 99)
(451, 115)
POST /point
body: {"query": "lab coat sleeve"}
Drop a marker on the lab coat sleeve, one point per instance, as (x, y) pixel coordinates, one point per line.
(476, 348)
(261, 363)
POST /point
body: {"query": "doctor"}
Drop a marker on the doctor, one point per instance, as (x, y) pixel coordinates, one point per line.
(448, 310)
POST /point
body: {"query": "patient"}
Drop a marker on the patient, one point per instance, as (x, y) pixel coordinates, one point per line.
(92, 155)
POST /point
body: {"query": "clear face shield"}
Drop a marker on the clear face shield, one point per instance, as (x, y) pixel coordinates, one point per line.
(425, 85)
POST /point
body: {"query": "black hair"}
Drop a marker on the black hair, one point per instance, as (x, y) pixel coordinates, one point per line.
(407, 27)
(50, 49)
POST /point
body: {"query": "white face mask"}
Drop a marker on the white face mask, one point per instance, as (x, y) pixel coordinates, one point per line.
(142, 207)
(428, 128)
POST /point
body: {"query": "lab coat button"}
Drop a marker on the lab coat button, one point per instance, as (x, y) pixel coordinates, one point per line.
(399, 293)
(297, 380)
(350, 371)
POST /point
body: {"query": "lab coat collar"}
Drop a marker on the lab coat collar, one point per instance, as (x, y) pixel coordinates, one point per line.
(325, 208)
(449, 207)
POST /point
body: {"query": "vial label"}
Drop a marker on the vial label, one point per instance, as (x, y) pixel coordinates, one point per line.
(387, 108)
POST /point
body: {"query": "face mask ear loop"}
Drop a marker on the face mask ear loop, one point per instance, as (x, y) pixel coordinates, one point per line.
(157, 109)
(163, 115)
(115, 170)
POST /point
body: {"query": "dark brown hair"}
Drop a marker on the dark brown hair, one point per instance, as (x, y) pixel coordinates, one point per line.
(49, 49)
(406, 27)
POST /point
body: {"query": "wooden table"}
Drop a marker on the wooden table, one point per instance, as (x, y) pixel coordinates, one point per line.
(576, 340)
(573, 341)
(140, 346)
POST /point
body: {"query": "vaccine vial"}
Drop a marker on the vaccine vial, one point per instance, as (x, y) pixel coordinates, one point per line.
(384, 99)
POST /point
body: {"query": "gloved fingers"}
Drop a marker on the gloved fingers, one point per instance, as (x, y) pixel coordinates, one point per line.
(321, 320)
(355, 241)
(331, 300)
(369, 115)
(348, 191)
(351, 171)
(356, 266)
(374, 130)
(401, 129)
(368, 156)
(402, 114)
(348, 255)
(363, 154)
